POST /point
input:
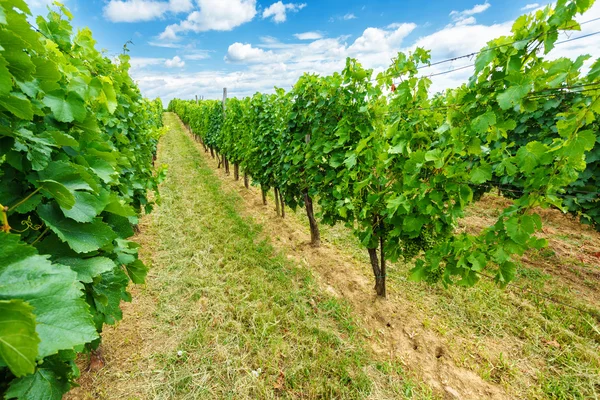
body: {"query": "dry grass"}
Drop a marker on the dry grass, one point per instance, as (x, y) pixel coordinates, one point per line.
(220, 294)
(514, 339)
(220, 305)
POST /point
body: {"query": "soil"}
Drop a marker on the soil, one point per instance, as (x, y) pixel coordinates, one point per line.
(394, 326)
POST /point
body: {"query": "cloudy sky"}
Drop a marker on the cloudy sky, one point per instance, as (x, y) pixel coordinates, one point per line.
(183, 48)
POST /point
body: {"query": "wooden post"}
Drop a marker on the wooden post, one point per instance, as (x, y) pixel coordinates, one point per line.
(225, 160)
(315, 235)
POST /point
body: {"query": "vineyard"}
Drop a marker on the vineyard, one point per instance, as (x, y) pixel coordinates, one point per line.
(399, 166)
(77, 143)
(422, 245)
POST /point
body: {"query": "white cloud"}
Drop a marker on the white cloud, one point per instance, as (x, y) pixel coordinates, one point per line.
(218, 15)
(168, 45)
(40, 7)
(374, 40)
(530, 7)
(465, 17)
(466, 21)
(180, 6)
(308, 35)
(142, 62)
(269, 62)
(175, 62)
(453, 41)
(245, 53)
(197, 55)
(278, 11)
(348, 17)
(143, 10)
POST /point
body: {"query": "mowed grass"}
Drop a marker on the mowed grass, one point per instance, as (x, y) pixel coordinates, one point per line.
(233, 319)
(539, 338)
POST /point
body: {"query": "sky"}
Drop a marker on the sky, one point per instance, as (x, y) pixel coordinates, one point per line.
(188, 48)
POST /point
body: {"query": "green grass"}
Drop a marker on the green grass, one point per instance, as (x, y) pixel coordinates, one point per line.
(227, 305)
(507, 336)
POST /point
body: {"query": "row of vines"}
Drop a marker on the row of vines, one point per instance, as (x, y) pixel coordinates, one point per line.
(77, 147)
(399, 165)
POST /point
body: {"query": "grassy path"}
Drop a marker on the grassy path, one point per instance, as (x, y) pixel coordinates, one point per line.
(235, 290)
(482, 342)
(223, 316)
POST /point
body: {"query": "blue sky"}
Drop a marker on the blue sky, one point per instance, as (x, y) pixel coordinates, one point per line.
(184, 48)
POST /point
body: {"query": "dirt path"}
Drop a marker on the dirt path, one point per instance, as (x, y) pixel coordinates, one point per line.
(225, 316)
(393, 327)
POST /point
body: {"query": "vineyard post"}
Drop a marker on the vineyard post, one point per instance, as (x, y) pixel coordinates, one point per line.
(225, 160)
(276, 192)
(282, 204)
(315, 235)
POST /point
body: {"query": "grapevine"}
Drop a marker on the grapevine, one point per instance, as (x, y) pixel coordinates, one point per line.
(77, 146)
(399, 165)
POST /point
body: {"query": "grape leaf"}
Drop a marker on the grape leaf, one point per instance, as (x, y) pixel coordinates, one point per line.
(81, 237)
(44, 384)
(17, 104)
(62, 316)
(88, 268)
(66, 108)
(481, 174)
(137, 271)
(513, 95)
(85, 207)
(58, 192)
(18, 339)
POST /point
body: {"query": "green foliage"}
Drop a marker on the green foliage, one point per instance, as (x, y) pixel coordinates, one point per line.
(77, 142)
(400, 166)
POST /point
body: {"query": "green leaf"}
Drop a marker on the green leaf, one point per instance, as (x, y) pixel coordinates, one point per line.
(6, 82)
(86, 207)
(413, 223)
(58, 192)
(594, 71)
(484, 58)
(481, 174)
(88, 268)
(62, 316)
(18, 339)
(521, 228)
(44, 384)
(72, 176)
(118, 206)
(66, 108)
(111, 96)
(483, 122)
(583, 142)
(137, 272)
(81, 237)
(46, 70)
(18, 105)
(513, 95)
(108, 294)
(62, 139)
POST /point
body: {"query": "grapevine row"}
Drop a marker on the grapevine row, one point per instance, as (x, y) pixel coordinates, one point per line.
(399, 166)
(77, 144)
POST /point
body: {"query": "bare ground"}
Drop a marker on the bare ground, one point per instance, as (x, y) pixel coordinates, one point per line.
(456, 363)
